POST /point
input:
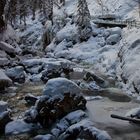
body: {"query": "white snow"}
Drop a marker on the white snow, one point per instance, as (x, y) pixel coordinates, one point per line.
(96, 52)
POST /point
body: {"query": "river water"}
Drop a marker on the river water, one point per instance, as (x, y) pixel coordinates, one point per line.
(99, 111)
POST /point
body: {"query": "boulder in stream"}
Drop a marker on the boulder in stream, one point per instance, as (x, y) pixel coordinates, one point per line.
(61, 96)
(74, 126)
(4, 115)
(19, 126)
(60, 86)
(7, 48)
(17, 74)
(5, 81)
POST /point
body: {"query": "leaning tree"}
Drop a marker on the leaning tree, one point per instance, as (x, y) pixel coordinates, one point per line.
(83, 21)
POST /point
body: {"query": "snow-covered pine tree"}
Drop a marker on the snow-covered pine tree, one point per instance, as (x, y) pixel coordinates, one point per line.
(22, 8)
(83, 21)
(48, 9)
(34, 4)
(11, 11)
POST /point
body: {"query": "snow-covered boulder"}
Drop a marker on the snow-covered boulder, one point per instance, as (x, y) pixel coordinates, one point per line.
(4, 115)
(3, 54)
(54, 70)
(49, 109)
(17, 74)
(91, 76)
(7, 47)
(45, 137)
(47, 63)
(63, 124)
(34, 70)
(115, 30)
(4, 61)
(60, 86)
(69, 33)
(134, 113)
(19, 127)
(31, 62)
(84, 130)
(9, 35)
(35, 77)
(3, 106)
(81, 129)
(48, 67)
(4, 80)
(113, 39)
(64, 45)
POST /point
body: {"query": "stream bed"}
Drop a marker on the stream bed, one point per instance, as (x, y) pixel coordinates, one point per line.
(98, 110)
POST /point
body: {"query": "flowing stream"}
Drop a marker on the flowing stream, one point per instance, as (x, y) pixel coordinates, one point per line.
(98, 110)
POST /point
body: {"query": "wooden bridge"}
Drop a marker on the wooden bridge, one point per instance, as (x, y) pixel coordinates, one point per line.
(115, 22)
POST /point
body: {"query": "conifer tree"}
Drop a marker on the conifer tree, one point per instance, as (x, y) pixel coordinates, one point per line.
(11, 11)
(48, 9)
(22, 9)
(83, 21)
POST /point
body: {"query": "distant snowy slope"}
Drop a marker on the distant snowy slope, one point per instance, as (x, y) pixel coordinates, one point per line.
(125, 9)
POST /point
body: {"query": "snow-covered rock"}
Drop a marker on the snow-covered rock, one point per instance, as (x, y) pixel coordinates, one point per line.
(3, 54)
(45, 137)
(60, 86)
(17, 74)
(73, 126)
(115, 30)
(49, 109)
(3, 106)
(46, 62)
(7, 47)
(4, 80)
(68, 33)
(4, 61)
(4, 115)
(35, 69)
(35, 77)
(84, 130)
(63, 124)
(113, 39)
(134, 113)
(9, 35)
(19, 127)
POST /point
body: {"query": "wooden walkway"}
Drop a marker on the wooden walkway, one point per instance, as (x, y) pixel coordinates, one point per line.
(113, 23)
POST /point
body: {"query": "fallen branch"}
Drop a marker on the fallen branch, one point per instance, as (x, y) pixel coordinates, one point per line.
(137, 121)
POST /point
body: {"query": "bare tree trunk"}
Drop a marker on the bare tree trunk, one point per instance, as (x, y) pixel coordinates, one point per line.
(2, 5)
